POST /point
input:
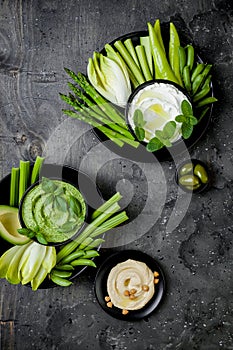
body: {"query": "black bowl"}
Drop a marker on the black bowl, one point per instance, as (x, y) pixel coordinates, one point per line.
(55, 244)
(101, 284)
(89, 189)
(204, 186)
(140, 154)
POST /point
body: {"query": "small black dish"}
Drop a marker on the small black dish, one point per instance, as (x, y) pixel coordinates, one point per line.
(101, 284)
(140, 154)
(204, 186)
(80, 229)
(87, 186)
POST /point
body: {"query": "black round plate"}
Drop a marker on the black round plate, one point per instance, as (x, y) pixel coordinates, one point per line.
(141, 154)
(87, 187)
(101, 284)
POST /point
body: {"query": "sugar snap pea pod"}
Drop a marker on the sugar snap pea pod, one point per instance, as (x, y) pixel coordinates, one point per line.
(201, 173)
(95, 244)
(189, 180)
(162, 67)
(182, 58)
(65, 267)
(197, 84)
(90, 254)
(186, 78)
(203, 113)
(174, 44)
(201, 94)
(199, 68)
(83, 262)
(190, 56)
(60, 273)
(60, 281)
(206, 101)
(85, 243)
(76, 254)
(206, 71)
(207, 81)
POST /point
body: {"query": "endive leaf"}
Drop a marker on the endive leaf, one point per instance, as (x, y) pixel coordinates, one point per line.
(48, 263)
(12, 272)
(6, 259)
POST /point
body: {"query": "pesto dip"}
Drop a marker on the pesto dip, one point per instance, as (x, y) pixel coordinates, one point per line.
(54, 208)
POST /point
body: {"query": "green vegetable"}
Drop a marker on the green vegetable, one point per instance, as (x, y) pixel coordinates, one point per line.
(129, 61)
(36, 169)
(174, 44)
(14, 187)
(206, 101)
(60, 281)
(141, 53)
(157, 29)
(65, 267)
(201, 173)
(115, 198)
(59, 273)
(203, 113)
(95, 244)
(162, 67)
(90, 254)
(186, 78)
(200, 95)
(109, 78)
(140, 133)
(6, 259)
(130, 47)
(190, 56)
(182, 59)
(198, 70)
(145, 41)
(83, 262)
(187, 119)
(24, 167)
(154, 145)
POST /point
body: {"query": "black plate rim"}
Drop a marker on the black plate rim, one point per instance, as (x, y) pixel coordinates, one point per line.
(103, 272)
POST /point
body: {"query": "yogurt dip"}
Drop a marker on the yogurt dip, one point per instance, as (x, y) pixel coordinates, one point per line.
(128, 278)
(160, 103)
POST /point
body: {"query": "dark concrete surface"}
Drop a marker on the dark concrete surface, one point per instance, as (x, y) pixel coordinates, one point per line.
(190, 237)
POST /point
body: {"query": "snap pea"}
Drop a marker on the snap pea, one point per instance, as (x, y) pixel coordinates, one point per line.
(201, 94)
(90, 254)
(95, 243)
(201, 173)
(62, 274)
(60, 281)
(83, 262)
(186, 169)
(186, 78)
(65, 267)
(190, 56)
(199, 68)
(76, 254)
(189, 180)
(206, 101)
(182, 58)
(197, 83)
(85, 243)
(203, 113)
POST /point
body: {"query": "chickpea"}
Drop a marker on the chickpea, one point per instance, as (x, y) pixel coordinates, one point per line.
(125, 312)
(133, 291)
(109, 304)
(107, 298)
(156, 280)
(132, 296)
(156, 274)
(145, 287)
(126, 293)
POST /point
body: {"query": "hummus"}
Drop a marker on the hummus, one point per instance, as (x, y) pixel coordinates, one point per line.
(159, 103)
(133, 277)
(56, 221)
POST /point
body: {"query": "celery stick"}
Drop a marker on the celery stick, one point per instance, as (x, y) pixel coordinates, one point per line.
(115, 198)
(129, 46)
(95, 244)
(14, 187)
(143, 62)
(110, 223)
(145, 41)
(129, 61)
(36, 169)
(24, 177)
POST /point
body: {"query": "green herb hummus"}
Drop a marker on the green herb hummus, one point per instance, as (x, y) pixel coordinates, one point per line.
(55, 209)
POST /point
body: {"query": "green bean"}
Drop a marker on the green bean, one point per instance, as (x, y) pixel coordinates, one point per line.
(199, 68)
(62, 274)
(190, 56)
(60, 281)
(83, 262)
(186, 78)
(206, 101)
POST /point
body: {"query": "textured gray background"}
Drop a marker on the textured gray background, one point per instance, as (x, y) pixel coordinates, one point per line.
(39, 38)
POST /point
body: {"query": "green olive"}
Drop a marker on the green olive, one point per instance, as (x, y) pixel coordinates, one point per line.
(189, 180)
(186, 169)
(193, 188)
(200, 172)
